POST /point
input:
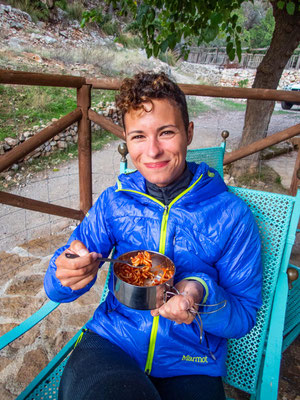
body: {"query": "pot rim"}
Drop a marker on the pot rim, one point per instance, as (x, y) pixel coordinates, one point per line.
(151, 252)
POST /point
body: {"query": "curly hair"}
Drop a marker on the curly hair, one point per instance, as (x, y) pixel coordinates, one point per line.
(144, 87)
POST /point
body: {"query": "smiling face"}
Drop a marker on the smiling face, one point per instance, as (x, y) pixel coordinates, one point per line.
(157, 141)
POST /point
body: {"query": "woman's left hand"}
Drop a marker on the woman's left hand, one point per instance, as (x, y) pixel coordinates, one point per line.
(177, 307)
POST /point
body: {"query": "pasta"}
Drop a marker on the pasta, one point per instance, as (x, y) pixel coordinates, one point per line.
(144, 276)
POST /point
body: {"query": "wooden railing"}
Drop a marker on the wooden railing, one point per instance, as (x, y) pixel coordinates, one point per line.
(84, 115)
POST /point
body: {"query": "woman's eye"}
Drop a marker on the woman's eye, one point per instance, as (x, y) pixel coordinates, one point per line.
(166, 133)
(137, 137)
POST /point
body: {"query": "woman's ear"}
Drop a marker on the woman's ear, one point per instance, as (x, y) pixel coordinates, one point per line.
(190, 132)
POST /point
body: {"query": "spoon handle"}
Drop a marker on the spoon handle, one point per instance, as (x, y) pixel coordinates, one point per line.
(113, 260)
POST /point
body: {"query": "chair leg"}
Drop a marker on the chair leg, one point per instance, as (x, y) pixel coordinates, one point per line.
(269, 379)
(290, 337)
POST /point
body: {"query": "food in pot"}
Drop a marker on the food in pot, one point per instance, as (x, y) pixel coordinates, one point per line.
(146, 275)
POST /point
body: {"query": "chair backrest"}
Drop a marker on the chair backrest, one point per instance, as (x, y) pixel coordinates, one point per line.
(273, 213)
(213, 156)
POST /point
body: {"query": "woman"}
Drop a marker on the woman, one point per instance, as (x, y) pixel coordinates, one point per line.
(184, 211)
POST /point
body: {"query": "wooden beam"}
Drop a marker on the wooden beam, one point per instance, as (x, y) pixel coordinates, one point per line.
(85, 149)
(213, 91)
(240, 93)
(262, 144)
(106, 83)
(295, 180)
(40, 206)
(106, 123)
(20, 151)
(37, 79)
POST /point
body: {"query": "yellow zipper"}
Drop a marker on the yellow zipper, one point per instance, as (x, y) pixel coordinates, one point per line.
(162, 248)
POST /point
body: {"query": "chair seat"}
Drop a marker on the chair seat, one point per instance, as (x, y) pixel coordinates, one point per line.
(292, 317)
(48, 388)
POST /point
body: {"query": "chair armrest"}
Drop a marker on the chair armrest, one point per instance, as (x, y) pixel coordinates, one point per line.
(29, 323)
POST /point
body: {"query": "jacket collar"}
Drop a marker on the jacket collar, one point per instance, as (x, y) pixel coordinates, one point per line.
(168, 193)
(205, 184)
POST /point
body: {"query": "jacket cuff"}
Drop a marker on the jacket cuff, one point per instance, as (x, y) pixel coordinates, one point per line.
(203, 283)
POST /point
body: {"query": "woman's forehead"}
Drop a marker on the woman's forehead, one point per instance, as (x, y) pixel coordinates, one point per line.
(159, 108)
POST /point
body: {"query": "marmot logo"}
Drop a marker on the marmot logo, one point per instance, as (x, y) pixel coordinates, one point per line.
(202, 360)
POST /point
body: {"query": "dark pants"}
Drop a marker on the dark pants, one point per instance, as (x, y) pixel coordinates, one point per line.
(98, 369)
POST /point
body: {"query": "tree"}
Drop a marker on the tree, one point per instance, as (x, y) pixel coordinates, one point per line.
(165, 24)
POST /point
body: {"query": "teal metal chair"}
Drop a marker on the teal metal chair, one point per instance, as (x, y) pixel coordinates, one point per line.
(253, 361)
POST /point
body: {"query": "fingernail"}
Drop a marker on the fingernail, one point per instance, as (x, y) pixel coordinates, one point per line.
(94, 256)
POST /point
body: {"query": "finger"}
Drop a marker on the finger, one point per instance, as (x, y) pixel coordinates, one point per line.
(185, 303)
(66, 273)
(79, 248)
(70, 281)
(155, 312)
(81, 284)
(76, 263)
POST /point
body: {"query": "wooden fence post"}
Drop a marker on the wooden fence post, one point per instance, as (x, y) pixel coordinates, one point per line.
(296, 177)
(85, 149)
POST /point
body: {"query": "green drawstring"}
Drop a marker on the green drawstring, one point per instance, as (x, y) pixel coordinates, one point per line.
(80, 337)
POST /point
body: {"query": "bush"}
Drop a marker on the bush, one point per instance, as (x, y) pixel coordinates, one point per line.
(110, 28)
(169, 57)
(129, 41)
(75, 10)
(243, 83)
(35, 8)
(261, 34)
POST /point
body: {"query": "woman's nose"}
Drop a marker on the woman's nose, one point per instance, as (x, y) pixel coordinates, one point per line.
(154, 148)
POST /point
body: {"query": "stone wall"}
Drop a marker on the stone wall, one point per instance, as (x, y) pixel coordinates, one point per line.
(234, 77)
(60, 141)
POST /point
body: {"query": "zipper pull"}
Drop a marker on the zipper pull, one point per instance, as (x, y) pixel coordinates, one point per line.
(166, 208)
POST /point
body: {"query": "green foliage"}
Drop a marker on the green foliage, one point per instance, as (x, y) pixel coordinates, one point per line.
(63, 4)
(243, 83)
(168, 57)
(98, 16)
(95, 15)
(261, 34)
(196, 107)
(230, 105)
(75, 10)
(35, 8)
(110, 28)
(289, 5)
(163, 24)
(23, 107)
(129, 41)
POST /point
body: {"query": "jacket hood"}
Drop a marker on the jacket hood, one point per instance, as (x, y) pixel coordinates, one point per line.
(206, 180)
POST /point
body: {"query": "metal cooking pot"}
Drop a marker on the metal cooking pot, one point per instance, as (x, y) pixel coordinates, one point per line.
(143, 297)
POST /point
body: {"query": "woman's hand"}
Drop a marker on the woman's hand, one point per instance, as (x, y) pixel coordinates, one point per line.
(177, 307)
(76, 273)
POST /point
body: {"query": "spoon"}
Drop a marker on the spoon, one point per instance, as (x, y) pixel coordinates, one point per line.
(113, 260)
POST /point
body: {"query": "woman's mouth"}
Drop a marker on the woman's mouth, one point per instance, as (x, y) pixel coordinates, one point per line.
(157, 164)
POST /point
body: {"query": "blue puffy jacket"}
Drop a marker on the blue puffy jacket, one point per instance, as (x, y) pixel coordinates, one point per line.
(211, 236)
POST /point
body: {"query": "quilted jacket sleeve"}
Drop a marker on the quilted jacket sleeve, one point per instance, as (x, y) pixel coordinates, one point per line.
(239, 283)
(96, 236)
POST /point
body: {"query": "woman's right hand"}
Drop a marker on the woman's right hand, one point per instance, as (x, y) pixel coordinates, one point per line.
(78, 272)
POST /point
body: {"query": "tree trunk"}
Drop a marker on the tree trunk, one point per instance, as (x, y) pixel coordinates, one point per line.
(285, 40)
